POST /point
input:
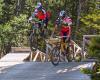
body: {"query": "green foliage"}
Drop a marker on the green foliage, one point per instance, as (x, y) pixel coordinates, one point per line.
(1, 6)
(11, 31)
(89, 20)
(92, 20)
(8, 10)
(86, 71)
(94, 47)
(29, 6)
(19, 23)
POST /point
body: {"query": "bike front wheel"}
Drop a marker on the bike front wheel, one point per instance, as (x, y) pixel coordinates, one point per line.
(33, 41)
(55, 56)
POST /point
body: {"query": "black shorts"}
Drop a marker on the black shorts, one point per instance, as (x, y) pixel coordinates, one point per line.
(65, 38)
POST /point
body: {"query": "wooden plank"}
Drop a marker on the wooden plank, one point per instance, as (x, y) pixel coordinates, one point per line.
(20, 49)
(14, 57)
(91, 35)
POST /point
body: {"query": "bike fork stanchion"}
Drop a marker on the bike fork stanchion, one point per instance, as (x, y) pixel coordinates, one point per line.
(31, 56)
(48, 48)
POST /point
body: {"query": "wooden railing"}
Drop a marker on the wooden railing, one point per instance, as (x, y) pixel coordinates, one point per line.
(43, 56)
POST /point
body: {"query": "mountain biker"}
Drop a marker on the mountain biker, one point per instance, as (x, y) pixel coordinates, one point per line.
(38, 16)
(45, 16)
(65, 33)
(63, 26)
(59, 20)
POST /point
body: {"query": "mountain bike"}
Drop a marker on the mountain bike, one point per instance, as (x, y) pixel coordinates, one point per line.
(37, 37)
(56, 52)
(35, 34)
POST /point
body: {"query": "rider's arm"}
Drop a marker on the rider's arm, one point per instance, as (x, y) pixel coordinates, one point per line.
(69, 33)
(30, 18)
(55, 27)
(69, 21)
(44, 14)
(57, 22)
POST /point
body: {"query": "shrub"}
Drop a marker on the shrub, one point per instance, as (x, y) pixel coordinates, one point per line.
(86, 71)
(94, 48)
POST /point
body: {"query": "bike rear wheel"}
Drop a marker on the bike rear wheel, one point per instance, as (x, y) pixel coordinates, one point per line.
(69, 54)
(41, 44)
(55, 56)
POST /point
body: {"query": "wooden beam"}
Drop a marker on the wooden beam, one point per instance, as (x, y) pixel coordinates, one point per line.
(91, 35)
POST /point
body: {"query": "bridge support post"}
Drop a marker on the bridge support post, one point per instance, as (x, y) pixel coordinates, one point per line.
(83, 48)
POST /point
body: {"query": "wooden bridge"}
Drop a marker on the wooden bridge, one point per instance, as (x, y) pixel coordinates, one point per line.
(21, 64)
(25, 54)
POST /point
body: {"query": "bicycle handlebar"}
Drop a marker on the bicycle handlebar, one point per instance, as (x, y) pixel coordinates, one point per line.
(61, 37)
(34, 20)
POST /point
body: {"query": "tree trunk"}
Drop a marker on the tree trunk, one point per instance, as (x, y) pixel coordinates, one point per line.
(78, 18)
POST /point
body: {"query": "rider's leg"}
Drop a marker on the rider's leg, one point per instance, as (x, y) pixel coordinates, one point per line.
(44, 30)
(40, 28)
(62, 46)
(33, 28)
(46, 22)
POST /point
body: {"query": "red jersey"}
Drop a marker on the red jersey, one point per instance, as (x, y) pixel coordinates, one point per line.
(65, 31)
(40, 15)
